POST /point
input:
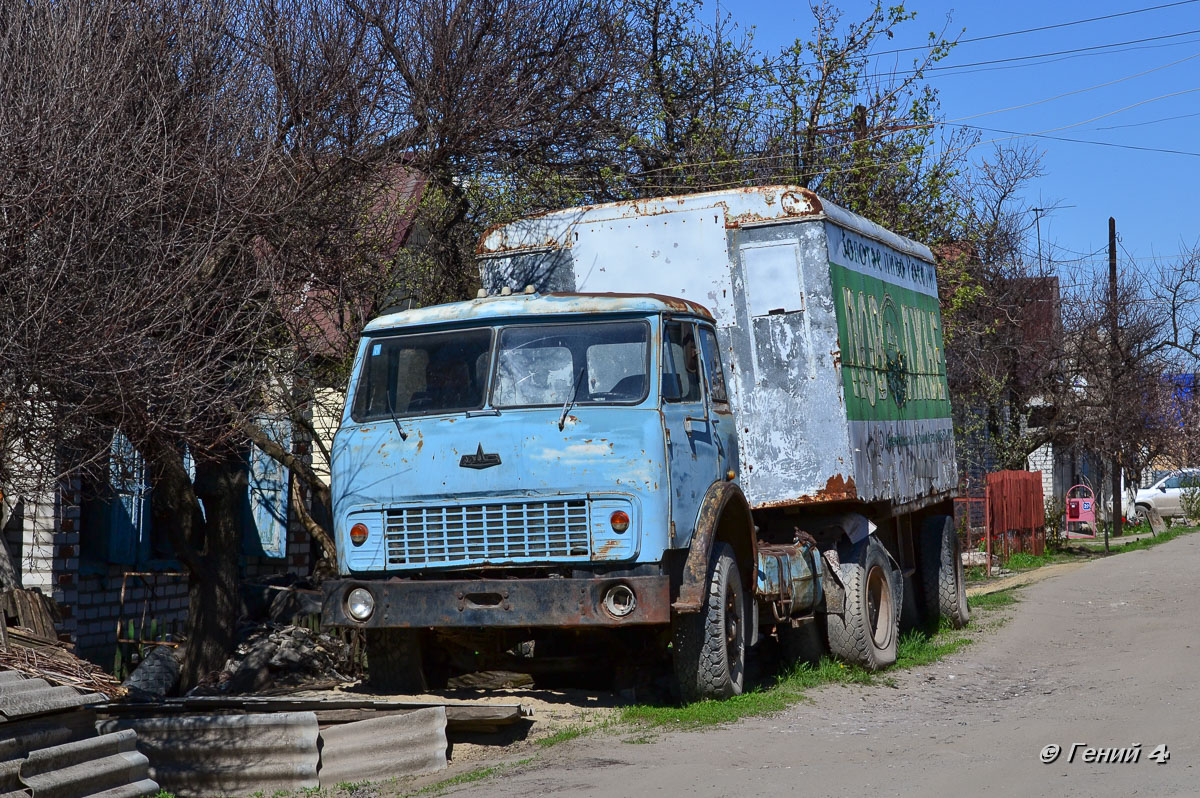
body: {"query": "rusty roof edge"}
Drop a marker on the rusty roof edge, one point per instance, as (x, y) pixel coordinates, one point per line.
(497, 308)
(780, 204)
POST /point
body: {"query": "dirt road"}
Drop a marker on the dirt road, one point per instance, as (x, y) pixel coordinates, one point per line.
(1103, 655)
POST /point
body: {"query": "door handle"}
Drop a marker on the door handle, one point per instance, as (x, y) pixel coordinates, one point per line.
(687, 422)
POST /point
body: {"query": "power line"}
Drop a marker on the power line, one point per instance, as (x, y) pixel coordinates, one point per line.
(1018, 134)
(1044, 27)
(1022, 32)
(1050, 60)
(1150, 122)
(1079, 91)
(1011, 59)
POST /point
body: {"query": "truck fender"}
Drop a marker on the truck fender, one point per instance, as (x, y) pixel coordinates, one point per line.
(854, 529)
(724, 515)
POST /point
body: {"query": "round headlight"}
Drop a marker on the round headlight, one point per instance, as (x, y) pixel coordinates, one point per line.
(620, 601)
(360, 604)
(619, 521)
(358, 534)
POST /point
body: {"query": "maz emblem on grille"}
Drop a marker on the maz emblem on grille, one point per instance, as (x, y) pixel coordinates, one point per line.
(480, 459)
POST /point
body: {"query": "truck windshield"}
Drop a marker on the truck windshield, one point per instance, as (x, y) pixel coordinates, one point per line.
(413, 375)
(591, 363)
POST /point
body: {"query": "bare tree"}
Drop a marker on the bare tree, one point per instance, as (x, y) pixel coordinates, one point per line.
(166, 168)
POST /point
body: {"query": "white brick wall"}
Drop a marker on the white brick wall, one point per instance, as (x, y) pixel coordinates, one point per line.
(1042, 460)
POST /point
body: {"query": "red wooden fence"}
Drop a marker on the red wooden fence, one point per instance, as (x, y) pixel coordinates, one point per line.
(1016, 514)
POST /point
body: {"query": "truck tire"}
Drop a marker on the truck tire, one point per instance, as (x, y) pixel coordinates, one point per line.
(394, 661)
(867, 631)
(709, 647)
(945, 591)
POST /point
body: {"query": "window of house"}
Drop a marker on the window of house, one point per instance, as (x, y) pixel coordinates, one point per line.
(117, 521)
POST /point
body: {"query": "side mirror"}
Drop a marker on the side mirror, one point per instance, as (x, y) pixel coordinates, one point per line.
(1162, 488)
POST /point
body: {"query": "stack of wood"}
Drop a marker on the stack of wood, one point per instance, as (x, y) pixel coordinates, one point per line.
(30, 645)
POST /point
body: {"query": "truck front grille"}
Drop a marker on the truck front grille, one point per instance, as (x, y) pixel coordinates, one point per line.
(500, 531)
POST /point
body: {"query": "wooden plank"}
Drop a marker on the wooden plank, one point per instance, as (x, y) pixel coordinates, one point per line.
(460, 717)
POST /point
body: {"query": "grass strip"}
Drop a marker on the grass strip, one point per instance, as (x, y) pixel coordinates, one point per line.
(467, 777)
(917, 647)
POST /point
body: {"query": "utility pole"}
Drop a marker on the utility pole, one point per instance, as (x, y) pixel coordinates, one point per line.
(1037, 220)
(1114, 368)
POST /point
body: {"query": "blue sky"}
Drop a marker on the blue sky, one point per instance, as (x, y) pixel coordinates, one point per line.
(1153, 195)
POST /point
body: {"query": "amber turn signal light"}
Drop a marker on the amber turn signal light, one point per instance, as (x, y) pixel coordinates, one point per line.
(358, 534)
(619, 521)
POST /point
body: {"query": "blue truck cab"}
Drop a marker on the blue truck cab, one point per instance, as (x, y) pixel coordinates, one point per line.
(756, 446)
(527, 461)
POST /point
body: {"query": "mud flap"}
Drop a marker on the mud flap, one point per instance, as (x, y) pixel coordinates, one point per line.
(835, 589)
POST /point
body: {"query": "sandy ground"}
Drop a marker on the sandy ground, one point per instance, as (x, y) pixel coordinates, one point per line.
(1102, 655)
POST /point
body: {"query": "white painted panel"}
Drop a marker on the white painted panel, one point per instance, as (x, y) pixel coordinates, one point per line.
(773, 280)
(682, 254)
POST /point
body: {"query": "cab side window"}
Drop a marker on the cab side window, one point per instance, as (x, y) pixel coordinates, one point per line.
(680, 364)
(712, 365)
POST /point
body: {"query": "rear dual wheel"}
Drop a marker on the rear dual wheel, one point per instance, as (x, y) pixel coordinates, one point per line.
(867, 631)
(942, 578)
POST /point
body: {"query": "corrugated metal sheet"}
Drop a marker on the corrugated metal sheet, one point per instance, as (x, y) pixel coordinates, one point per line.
(17, 739)
(10, 780)
(382, 748)
(49, 747)
(21, 697)
(109, 764)
(217, 755)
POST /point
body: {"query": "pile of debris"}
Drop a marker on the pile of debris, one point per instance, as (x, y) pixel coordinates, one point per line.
(29, 645)
(273, 657)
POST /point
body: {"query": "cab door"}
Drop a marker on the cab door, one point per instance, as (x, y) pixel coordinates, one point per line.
(724, 429)
(692, 451)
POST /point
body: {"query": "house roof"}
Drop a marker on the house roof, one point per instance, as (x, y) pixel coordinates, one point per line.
(327, 318)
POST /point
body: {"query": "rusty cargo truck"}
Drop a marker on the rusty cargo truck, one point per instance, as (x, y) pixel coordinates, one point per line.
(670, 428)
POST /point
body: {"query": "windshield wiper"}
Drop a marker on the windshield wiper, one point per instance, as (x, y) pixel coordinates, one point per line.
(567, 405)
(392, 411)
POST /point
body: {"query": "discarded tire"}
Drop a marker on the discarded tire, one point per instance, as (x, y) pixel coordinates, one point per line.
(945, 593)
(155, 676)
(709, 648)
(867, 631)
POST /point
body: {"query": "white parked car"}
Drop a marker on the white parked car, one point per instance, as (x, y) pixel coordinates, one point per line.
(1166, 495)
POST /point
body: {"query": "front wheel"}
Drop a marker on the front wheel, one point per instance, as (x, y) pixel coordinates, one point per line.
(709, 646)
(868, 629)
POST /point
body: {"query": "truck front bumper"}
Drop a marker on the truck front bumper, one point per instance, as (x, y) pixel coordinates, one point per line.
(545, 602)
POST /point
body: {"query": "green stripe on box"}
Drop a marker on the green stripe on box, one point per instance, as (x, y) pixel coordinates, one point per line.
(893, 361)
